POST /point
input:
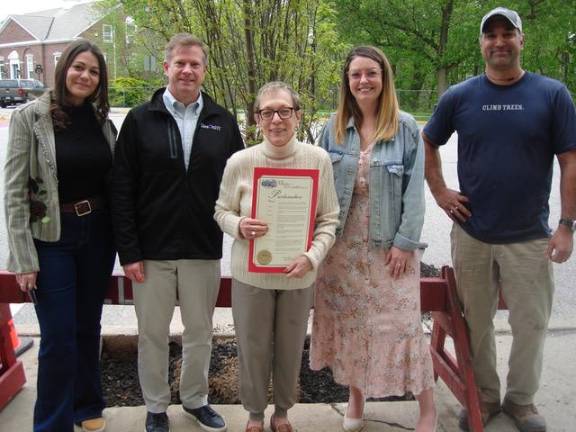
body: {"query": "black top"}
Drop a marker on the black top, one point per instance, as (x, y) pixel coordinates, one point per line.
(83, 157)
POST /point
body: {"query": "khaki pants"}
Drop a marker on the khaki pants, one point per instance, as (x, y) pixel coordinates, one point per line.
(270, 328)
(194, 284)
(524, 274)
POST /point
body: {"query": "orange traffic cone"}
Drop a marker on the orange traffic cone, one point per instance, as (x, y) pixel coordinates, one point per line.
(12, 376)
(19, 344)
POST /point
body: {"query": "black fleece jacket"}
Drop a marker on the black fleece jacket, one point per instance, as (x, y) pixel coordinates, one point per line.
(160, 210)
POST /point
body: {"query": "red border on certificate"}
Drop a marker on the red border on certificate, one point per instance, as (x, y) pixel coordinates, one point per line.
(282, 172)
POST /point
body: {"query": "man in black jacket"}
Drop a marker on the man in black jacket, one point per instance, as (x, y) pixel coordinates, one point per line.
(170, 157)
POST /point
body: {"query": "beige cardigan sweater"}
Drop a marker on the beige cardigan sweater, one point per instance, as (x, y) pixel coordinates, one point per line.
(235, 202)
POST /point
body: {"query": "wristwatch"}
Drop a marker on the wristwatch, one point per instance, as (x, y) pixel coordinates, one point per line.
(570, 223)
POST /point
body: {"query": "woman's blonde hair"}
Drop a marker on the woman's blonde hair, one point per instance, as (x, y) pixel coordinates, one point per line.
(388, 108)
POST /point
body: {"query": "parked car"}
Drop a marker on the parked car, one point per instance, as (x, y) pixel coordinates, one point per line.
(16, 91)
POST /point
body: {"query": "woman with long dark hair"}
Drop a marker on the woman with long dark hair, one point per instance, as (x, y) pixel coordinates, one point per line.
(60, 149)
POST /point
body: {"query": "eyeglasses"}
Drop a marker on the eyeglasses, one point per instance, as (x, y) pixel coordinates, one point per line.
(370, 75)
(283, 113)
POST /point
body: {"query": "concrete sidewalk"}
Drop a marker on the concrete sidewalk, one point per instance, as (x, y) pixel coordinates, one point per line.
(558, 389)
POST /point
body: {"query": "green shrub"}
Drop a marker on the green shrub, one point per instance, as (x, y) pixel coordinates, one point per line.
(129, 92)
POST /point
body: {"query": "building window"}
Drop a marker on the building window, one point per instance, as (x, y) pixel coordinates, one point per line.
(150, 63)
(14, 65)
(2, 71)
(14, 70)
(107, 33)
(130, 30)
(30, 66)
(56, 58)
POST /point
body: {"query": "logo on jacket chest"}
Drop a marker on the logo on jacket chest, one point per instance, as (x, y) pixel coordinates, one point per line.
(216, 128)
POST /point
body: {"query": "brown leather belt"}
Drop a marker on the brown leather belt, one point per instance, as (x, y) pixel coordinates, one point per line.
(83, 207)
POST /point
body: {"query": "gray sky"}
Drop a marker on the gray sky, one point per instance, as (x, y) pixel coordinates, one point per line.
(15, 7)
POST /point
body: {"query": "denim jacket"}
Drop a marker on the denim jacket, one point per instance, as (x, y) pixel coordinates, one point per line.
(396, 181)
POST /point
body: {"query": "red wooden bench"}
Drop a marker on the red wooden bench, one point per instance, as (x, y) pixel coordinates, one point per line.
(438, 295)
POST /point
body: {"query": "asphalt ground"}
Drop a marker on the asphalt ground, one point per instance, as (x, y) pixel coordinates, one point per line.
(555, 401)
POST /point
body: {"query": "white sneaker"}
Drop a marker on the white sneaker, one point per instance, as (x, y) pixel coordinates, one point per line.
(352, 424)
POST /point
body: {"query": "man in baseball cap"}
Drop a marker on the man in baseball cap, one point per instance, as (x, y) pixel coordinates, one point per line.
(510, 15)
(511, 124)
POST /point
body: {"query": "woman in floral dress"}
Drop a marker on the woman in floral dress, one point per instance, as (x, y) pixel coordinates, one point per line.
(367, 308)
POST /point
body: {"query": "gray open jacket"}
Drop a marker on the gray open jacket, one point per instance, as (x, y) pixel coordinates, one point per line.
(396, 181)
(31, 156)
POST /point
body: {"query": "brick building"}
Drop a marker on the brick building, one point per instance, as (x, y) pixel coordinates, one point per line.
(31, 44)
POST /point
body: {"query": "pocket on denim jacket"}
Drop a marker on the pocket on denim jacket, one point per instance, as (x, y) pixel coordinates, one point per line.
(335, 156)
(394, 177)
(397, 169)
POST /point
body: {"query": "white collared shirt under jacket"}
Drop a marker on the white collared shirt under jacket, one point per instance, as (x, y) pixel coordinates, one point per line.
(186, 118)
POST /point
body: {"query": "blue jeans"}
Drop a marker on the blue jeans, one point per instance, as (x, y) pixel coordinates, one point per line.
(72, 282)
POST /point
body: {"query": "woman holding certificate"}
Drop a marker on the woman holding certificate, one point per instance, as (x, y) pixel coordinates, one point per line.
(270, 306)
(367, 306)
(60, 149)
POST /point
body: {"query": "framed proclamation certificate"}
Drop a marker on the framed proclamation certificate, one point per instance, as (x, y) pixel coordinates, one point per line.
(286, 200)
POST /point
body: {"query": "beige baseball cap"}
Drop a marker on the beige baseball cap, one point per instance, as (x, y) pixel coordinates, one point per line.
(510, 15)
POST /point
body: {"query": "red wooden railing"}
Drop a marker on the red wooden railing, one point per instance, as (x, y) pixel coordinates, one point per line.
(438, 295)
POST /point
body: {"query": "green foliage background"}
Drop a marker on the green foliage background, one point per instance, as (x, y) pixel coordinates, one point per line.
(431, 44)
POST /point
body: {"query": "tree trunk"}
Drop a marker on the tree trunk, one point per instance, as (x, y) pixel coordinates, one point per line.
(251, 63)
(442, 80)
(442, 71)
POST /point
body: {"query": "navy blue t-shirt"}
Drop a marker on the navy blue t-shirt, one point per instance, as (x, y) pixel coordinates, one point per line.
(507, 139)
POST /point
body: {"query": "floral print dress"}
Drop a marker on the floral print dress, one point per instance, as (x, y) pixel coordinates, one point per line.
(367, 325)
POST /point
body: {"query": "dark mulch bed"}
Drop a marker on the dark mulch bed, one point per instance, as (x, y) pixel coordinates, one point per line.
(121, 386)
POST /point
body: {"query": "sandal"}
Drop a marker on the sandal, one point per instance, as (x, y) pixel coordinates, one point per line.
(284, 427)
(254, 427)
